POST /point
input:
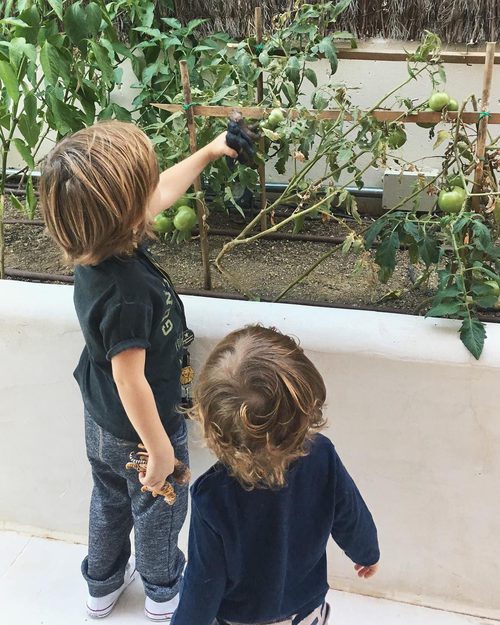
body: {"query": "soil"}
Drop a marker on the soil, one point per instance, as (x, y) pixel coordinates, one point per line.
(260, 270)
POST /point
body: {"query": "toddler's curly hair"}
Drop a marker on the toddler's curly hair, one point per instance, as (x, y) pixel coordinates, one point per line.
(259, 400)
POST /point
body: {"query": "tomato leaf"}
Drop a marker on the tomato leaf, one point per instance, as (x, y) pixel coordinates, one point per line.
(17, 204)
(25, 153)
(75, 23)
(442, 136)
(472, 334)
(9, 79)
(385, 256)
(57, 6)
(443, 309)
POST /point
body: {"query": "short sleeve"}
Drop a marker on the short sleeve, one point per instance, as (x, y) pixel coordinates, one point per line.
(126, 325)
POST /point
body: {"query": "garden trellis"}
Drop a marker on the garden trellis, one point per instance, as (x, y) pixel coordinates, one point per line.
(482, 117)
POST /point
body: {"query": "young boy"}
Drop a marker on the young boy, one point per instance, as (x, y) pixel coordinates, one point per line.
(262, 515)
(99, 192)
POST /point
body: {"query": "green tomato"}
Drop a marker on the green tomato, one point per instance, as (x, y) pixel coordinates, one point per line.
(439, 100)
(427, 124)
(275, 118)
(452, 105)
(182, 201)
(463, 149)
(396, 138)
(185, 219)
(456, 181)
(494, 286)
(452, 201)
(163, 224)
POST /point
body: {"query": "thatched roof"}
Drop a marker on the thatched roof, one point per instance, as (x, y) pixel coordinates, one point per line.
(455, 21)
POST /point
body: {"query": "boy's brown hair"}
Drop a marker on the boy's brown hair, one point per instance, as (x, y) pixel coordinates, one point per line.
(95, 188)
(259, 400)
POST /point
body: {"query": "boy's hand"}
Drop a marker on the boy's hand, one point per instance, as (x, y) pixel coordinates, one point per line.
(218, 147)
(366, 571)
(160, 465)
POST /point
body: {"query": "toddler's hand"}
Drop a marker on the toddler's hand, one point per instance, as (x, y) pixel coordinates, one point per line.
(160, 466)
(218, 147)
(366, 571)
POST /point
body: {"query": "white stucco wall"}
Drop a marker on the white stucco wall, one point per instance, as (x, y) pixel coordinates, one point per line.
(414, 417)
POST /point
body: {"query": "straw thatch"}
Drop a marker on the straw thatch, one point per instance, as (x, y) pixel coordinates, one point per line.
(455, 21)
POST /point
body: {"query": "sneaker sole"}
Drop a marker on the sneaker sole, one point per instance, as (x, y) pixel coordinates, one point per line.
(166, 616)
(96, 614)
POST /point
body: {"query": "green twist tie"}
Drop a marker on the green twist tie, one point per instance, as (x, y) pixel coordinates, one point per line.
(259, 47)
(187, 105)
(484, 114)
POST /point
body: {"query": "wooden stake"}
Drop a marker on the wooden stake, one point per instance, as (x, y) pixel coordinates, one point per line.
(482, 132)
(200, 205)
(262, 145)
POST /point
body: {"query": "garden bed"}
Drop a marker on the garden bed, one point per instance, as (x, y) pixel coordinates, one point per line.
(263, 268)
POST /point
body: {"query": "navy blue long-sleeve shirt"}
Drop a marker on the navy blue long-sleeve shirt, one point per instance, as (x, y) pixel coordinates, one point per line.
(259, 556)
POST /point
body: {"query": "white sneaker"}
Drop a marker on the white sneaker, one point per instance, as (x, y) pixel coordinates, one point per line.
(99, 607)
(160, 610)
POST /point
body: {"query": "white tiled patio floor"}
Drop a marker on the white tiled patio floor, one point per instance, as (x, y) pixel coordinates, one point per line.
(40, 584)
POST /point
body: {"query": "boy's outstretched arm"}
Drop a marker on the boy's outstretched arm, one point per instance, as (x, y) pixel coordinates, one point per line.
(177, 179)
(353, 528)
(204, 577)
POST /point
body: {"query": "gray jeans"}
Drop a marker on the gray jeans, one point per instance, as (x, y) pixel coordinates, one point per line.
(117, 505)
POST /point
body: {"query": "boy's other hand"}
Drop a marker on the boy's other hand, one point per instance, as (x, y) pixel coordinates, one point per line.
(218, 148)
(366, 571)
(160, 465)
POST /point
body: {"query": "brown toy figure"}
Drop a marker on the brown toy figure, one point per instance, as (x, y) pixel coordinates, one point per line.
(181, 474)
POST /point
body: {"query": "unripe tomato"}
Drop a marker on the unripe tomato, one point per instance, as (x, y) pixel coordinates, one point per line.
(185, 219)
(463, 149)
(275, 118)
(182, 201)
(427, 124)
(439, 100)
(452, 201)
(456, 181)
(494, 286)
(452, 105)
(396, 138)
(163, 224)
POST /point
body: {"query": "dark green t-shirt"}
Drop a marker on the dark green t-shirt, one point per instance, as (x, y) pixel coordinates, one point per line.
(121, 303)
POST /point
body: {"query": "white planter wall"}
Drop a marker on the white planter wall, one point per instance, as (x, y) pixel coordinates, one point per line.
(414, 417)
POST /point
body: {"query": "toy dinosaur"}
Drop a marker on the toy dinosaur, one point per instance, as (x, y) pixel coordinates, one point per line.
(181, 474)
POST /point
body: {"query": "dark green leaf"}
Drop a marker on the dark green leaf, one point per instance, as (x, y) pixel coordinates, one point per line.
(30, 199)
(29, 130)
(57, 6)
(444, 309)
(385, 256)
(310, 74)
(9, 80)
(429, 250)
(102, 60)
(292, 70)
(473, 333)
(172, 22)
(93, 18)
(373, 232)
(50, 61)
(327, 48)
(411, 229)
(19, 50)
(17, 204)
(25, 153)
(75, 23)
